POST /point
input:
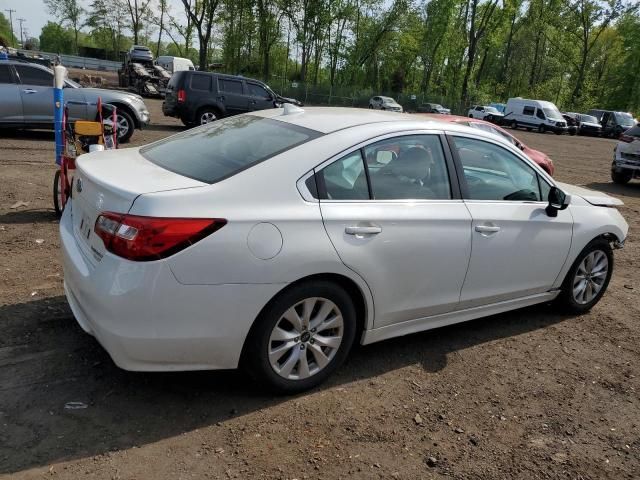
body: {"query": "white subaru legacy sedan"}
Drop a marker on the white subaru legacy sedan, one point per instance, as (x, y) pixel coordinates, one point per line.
(275, 240)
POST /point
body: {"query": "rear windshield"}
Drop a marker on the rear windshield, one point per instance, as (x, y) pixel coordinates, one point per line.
(218, 150)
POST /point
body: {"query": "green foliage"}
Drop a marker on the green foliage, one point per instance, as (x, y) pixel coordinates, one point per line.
(6, 35)
(54, 38)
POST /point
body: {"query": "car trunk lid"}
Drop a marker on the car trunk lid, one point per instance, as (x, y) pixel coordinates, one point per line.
(111, 181)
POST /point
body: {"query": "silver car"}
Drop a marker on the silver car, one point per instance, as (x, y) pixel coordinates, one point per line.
(26, 100)
(385, 103)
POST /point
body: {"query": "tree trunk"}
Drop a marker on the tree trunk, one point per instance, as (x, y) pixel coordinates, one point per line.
(162, 8)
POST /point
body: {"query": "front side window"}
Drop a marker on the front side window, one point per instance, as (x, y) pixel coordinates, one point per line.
(540, 114)
(493, 173)
(220, 149)
(230, 86)
(34, 76)
(5, 74)
(528, 111)
(256, 90)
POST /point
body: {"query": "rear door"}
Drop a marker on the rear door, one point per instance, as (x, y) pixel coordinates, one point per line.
(10, 101)
(397, 220)
(231, 94)
(259, 98)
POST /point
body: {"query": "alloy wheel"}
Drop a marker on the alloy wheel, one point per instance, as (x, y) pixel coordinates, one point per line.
(306, 338)
(590, 276)
(207, 117)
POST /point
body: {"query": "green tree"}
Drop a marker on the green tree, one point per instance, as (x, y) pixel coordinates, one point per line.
(69, 12)
(57, 39)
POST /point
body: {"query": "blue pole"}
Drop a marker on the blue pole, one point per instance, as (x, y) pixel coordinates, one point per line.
(58, 109)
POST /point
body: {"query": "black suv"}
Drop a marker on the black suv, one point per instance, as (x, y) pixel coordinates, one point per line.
(613, 123)
(197, 98)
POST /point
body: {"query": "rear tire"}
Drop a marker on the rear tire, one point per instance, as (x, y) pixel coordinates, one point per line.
(57, 194)
(207, 115)
(588, 278)
(303, 360)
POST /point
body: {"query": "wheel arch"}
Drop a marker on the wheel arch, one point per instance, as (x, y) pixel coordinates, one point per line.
(123, 106)
(362, 300)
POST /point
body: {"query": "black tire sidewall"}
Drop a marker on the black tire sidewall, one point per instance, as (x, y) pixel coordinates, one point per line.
(56, 194)
(255, 355)
(132, 126)
(565, 299)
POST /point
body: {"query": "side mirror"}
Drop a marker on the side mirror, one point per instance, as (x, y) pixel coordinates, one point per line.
(558, 200)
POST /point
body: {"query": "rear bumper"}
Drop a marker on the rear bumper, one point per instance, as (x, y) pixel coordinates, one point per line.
(147, 321)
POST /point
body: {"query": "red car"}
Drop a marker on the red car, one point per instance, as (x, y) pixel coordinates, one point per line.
(537, 156)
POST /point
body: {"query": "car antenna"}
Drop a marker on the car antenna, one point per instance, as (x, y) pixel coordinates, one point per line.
(290, 109)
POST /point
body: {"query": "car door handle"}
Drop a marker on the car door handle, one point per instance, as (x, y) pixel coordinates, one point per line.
(29, 90)
(371, 230)
(487, 229)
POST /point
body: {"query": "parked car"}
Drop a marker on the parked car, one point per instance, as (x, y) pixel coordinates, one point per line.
(614, 123)
(265, 240)
(537, 156)
(197, 98)
(485, 112)
(626, 157)
(539, 114)
(588, 125)
(140, 53)
(174, 64)
(433, 108)
(384, 103)
(26, 100)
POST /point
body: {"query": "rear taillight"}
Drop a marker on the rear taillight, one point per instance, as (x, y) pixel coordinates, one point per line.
(151, 238)
(182, 96)
(626, 138)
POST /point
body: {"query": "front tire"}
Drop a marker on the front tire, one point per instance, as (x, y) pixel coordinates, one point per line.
(588, 278)
(621, 178)
(514, 125)
(542, 128)
(301, 337)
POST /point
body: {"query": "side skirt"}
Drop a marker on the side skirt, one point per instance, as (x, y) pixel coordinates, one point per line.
(436, 321)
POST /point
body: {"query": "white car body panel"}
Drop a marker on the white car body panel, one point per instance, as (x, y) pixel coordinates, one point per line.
(194, 309)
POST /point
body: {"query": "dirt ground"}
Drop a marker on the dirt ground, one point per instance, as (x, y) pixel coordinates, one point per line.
(527, 394)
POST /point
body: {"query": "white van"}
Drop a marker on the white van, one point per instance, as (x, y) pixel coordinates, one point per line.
(174, 64)
(539, 114)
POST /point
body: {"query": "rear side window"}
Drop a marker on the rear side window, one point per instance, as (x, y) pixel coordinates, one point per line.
(528, 110)
(230, 86)
(200, 82)
(5, 74)
(221, 149)
(34, 76)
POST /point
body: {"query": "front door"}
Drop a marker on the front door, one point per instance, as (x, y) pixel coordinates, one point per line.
(10, 101)
(258, 97)
(36, 92)
(393, 218)
(230, 92)
(517, 249)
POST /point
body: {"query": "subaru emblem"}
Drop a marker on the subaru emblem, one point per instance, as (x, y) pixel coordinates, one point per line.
(78, 185)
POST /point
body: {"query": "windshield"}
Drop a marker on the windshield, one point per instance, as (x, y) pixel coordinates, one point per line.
(72, 84)
(221, 149)
(625, 119)
(388, 100)
(491, 109)
(552, 113)
(436, 106)
(588, 119)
